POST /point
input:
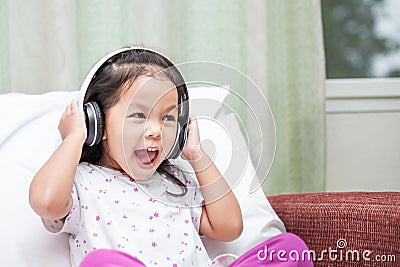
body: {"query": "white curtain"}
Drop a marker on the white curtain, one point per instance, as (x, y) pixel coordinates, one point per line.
(49, 45)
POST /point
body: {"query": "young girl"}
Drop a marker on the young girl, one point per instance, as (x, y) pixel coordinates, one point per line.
(113, 188)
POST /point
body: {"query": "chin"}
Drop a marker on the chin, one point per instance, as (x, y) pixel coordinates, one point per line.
(140, 178)
(142, 174)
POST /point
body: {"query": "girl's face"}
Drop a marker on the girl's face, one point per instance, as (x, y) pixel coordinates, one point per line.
(141, 127)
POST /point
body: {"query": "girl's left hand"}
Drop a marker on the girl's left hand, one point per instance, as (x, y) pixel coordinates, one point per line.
(192, 150)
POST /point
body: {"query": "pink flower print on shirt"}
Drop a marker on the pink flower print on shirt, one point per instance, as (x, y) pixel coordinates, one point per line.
(116, 201)
(155, 215)
(152, 200)
(97, 218)
(136, 189)
(103, 191)
(185, 234)
(151, 230)
(109, 222)
(186, 221)
(153, 244)
(178, 208)
(124, 217)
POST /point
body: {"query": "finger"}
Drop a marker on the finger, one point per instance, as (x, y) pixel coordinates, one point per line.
(191, 116)
(74, 105)
(193, 123)
(67, 108)
(193, 120)
(71, 107)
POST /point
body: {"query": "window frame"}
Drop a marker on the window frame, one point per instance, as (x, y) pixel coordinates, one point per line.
(362, 95)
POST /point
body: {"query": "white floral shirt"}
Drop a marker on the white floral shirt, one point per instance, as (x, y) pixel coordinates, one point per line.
(111, 210)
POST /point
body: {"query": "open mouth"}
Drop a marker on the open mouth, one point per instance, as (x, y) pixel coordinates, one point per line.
(146, 157)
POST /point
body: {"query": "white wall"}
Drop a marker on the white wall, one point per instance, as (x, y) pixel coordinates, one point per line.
(363, 135)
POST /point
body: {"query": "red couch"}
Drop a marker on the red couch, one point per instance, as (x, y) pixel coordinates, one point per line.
(345, 228)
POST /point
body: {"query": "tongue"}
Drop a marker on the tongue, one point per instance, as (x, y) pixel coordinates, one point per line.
(145, 156)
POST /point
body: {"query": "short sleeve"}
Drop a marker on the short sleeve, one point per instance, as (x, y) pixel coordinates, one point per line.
(197, 207)
(70, 222)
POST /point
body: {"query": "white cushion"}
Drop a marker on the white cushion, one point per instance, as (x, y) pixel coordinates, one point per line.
(207, 101)
(29, 136)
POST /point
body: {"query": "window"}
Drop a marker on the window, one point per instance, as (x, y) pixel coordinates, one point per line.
(361, 38)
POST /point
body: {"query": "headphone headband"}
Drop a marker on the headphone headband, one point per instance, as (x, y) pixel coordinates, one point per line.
(96, 67)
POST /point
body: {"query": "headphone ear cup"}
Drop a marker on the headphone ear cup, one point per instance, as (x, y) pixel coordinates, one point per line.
(183, 122)
(179, 143)
(94, 123)
(182, 137)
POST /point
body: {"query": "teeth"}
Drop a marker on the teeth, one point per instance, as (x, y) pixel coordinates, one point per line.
(152, 149)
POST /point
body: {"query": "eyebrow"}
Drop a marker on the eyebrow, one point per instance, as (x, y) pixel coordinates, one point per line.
(145, 107)
(136, 104)
(171, 107)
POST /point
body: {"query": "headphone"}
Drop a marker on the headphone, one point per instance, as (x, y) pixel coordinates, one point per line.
(93, 114)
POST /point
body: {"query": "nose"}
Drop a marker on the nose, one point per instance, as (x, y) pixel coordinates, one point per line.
(152, 129)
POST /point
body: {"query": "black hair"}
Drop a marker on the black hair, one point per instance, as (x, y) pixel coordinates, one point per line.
(108, 84)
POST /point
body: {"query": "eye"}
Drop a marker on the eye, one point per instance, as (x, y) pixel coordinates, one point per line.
(169, 118)
(138, 116)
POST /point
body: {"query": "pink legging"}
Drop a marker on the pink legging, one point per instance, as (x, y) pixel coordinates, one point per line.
(282, 250)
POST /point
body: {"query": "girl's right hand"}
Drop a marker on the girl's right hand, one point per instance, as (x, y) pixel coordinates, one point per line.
(72, 123)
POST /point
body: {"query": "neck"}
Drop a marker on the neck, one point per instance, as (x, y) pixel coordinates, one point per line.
(111, 164)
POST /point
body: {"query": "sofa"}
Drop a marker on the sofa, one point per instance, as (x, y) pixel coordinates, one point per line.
(335, 226)
(344, 228)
